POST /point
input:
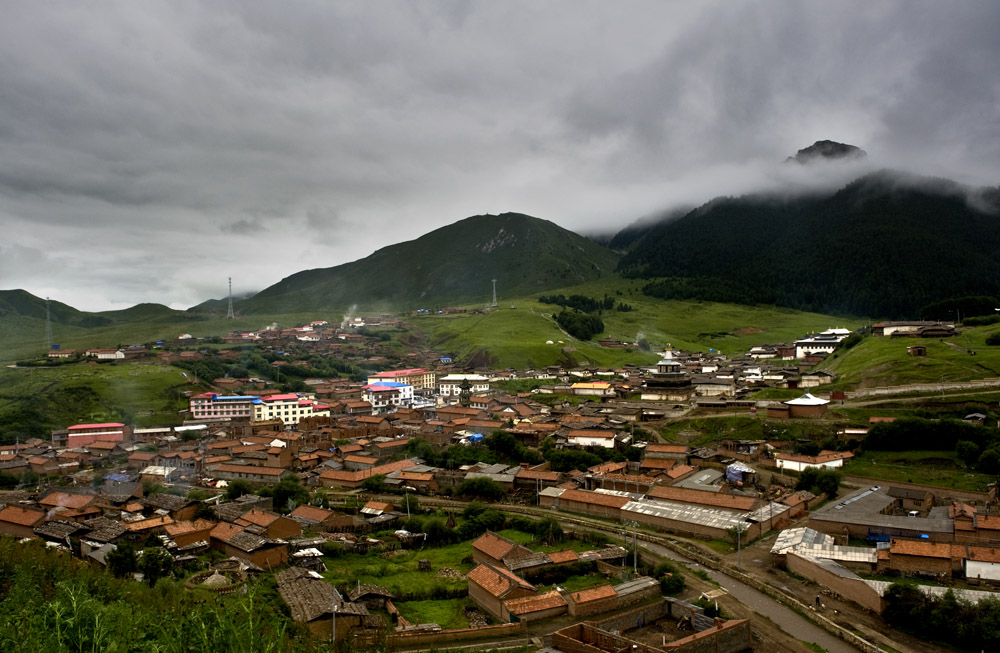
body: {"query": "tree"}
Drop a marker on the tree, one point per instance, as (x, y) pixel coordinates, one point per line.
(155, 563)
(483, 488)
(288, 493)
(374, 483)
(121, 561)
(548, 531)
(238, 488)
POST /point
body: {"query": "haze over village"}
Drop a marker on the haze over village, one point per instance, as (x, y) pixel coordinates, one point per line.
(495, 326)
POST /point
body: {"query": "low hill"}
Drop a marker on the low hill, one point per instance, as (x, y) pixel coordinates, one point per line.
(449, 265)
(885, 245)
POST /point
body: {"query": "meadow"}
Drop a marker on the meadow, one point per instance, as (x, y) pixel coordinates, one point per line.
(935, 468)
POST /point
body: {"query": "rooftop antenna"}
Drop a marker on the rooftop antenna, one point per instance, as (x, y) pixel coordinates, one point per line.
(494, 293)
(230, 315)
(48, 325)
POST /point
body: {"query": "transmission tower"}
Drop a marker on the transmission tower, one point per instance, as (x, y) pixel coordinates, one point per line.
(230, 315)
(494, 293)
(48, 326)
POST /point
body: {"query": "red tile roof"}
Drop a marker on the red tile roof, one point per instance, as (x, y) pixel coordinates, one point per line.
(529, 604)
(21, 516)
(497, 580)
(493, 545)
(593, 594)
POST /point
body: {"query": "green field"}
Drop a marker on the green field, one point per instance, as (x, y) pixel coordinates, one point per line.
(936, 468)
(24, 337)
(878, 361)
(517, 337)
(399, 573)
(33, 401)
(447, 613)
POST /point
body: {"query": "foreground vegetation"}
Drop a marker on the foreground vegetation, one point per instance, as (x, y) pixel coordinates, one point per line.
(52, 602)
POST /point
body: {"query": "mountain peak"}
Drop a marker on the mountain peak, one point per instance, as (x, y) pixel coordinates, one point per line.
(827, 150)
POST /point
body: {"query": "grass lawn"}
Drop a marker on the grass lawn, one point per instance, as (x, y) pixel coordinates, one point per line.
(878, 361)
(937, 468)
(447, 613)
(528, 540)
(577, 583)
(399, 573)
(141, 393)
(517, 337)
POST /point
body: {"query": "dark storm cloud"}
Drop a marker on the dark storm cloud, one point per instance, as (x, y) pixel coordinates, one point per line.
(151, 150)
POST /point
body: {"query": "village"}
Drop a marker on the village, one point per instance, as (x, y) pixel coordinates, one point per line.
(519, 509)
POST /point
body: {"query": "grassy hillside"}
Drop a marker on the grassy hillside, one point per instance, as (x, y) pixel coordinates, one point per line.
(453, 264)
(517, 337)
(24, 337)
(880, 361)
(33, 401)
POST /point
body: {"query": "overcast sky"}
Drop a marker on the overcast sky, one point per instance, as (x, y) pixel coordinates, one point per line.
(150, 150)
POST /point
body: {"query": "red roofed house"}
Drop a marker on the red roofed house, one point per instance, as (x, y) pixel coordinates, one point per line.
(596, 599)
(534, 608)
(20, 522)
(490, 586)
(84, 434)
(494, 549)
(269, 524)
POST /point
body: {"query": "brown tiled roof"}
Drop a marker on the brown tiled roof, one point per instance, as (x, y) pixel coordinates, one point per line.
(258, 518)
(667, 448)
(311, 513)
(591, 433)
(593, 594)
(493, 545)
(529, 604)
(364, 460)
(497, 581)
(679, 470)
(531, 475)
(984, 554)
(569, 555)
(703, 497)
(182, 527)
(594, 498)
(224, 531)
(988, 522)
(658, 463)
(250, 469)
(921, 548)
(152, 522)
(67, 500)
(21, 516)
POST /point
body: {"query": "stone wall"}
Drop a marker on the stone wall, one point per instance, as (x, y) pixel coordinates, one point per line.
(854, 589)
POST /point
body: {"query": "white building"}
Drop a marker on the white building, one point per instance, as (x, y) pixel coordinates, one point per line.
(451, 385)
(386, 396)
(824, 460)
(289, 408)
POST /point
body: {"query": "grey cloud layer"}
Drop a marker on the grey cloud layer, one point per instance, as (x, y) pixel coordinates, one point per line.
(150, 150)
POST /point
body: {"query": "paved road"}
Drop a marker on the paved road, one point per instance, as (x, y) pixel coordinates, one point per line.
(788, 620)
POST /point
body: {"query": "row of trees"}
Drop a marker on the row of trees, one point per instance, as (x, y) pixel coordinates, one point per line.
(975, 445)
(582, 326)
(971, 626)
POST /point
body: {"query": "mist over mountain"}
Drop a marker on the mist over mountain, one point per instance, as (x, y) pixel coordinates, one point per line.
(456, 263)
(884, 245)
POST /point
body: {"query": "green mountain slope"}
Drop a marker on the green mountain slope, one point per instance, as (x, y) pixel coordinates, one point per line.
(885, 245)
(449, 265)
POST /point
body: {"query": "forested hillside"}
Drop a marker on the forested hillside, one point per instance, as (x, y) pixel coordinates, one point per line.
(885, 245)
